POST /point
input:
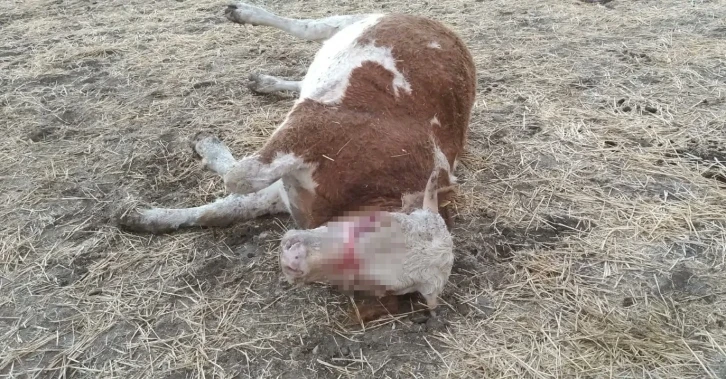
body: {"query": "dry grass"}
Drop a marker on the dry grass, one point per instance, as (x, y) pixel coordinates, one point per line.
(591, 240)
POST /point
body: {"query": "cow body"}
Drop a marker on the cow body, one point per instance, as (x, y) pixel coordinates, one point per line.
(386, 100)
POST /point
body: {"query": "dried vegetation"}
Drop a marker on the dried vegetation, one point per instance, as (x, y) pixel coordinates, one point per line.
(591, 235)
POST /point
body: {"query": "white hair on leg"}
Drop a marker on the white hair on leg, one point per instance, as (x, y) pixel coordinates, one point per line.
(309, 29)
(223, 212)
(262, 83)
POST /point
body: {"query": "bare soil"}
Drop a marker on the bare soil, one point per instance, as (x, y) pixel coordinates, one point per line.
(591, 226)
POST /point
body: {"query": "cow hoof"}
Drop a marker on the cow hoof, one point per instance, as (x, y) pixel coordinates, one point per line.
(260, 83)
(127, 216)
(130, 220)
(244, 14)
(133, 220)
(200, 141)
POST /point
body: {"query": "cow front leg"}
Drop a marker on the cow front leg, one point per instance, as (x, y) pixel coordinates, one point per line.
(214, 153)
(223, 212)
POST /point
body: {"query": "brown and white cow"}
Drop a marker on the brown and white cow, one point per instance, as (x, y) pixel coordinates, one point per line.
(386, 100)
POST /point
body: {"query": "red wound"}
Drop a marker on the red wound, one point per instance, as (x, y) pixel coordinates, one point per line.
(350, 260)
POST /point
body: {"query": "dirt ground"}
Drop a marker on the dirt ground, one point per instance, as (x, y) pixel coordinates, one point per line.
(591, 227)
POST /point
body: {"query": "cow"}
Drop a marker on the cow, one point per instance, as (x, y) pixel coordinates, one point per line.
(386, 100)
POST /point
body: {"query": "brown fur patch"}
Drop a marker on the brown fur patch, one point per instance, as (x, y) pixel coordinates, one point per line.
(374, 147)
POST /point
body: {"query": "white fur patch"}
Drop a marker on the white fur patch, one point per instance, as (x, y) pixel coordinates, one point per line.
(440, 162)
(280, 188)
(302, 171)
(329, 74)
(435, 121)
(434, 45)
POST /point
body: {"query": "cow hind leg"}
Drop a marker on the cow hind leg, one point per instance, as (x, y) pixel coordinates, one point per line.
(266, 84)
(306, 29)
